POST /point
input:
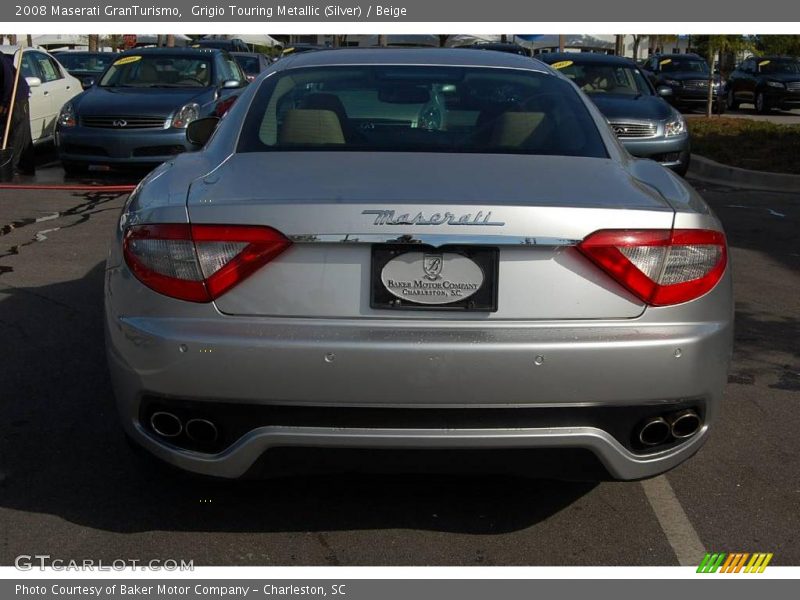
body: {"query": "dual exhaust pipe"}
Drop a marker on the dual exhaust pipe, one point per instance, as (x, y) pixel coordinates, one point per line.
(169, 425)
(680, 426)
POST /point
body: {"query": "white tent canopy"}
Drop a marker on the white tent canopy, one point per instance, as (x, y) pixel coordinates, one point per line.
(253, 39)
(151, 38)
(594, 42)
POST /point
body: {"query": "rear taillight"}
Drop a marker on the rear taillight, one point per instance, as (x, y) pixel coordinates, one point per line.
(198, 262)
(660, 266)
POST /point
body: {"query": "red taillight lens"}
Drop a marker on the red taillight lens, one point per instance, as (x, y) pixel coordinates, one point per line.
(661, 267)
(198, 262)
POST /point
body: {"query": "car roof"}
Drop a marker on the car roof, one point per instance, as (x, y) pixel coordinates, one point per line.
(11, 49)
(173, 51)
(245, 53)
(678, 55)
(457, 57)
(585, 57)
(773, 57)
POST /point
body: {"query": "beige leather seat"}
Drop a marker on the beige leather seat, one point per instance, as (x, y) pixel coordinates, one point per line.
(515, 129)
(311, 126)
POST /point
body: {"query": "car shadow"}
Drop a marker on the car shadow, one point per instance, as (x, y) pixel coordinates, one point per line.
(62, 451)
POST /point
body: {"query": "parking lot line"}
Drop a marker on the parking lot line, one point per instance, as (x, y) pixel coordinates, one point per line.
(674, 522)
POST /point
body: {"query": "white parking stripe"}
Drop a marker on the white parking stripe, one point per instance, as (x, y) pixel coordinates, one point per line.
(673, 520)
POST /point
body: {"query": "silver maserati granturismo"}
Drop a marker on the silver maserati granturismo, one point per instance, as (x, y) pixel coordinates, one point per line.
(407, 249)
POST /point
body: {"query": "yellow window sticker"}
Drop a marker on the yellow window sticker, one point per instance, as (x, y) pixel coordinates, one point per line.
(562, 64)
(127, 60)
(666, 61)
(764, 62)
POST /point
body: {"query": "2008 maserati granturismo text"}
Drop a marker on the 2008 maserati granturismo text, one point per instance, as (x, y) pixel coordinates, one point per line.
(416, 249)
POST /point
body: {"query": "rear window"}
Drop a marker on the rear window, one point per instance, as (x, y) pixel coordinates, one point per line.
(420, 109)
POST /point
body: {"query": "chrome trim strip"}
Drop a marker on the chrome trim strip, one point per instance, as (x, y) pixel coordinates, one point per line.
(429, 239)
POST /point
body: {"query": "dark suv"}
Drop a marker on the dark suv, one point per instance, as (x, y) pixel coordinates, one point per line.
(682, 80)
(767, 82)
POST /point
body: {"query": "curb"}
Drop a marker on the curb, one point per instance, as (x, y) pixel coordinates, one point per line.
(709, 171)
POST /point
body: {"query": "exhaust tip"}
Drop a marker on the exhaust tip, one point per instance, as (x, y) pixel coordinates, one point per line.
(166, 424)
(655, 431)
(685, 424)
(202, 431)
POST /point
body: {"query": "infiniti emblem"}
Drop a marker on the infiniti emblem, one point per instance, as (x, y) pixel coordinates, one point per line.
(620, 129)
(120, 123)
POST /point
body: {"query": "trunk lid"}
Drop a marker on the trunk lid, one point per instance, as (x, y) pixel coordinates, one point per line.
(532, 208)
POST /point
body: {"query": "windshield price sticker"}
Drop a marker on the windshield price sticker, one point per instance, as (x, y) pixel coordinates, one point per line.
(127, 60)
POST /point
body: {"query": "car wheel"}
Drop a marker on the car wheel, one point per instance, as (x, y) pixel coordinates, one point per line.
(730, 101)
(75, 168)
(762, 105)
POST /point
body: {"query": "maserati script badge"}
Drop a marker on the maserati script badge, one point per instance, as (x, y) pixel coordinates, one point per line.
(388, 217)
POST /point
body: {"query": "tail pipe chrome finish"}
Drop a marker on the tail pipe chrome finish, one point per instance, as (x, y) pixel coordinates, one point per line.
(166, 424)
(201, 431)
(654, 432)
(684, 424)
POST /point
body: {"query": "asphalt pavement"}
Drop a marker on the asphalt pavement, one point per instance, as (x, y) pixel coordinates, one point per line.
(70, 486)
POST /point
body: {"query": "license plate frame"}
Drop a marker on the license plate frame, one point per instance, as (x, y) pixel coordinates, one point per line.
(484, 300)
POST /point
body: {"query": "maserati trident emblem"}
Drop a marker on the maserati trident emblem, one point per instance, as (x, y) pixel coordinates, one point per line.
(388, 217)
(120, 123)
(432, 265)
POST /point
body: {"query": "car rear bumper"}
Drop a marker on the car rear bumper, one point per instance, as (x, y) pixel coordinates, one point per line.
(658, 360)
(102, 146)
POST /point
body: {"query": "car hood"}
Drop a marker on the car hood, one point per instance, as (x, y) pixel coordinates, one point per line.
(157, 102)
(620, 106)
(390, 178)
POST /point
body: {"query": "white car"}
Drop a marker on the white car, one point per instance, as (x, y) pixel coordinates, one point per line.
(51, 87)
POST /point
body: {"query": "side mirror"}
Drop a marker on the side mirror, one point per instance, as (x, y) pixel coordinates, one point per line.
(87, 82)
(33, 82)
(198, 132)
(664, 91)
(231, 84)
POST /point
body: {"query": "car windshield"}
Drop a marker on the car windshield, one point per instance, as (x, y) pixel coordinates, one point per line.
(605, 78)
(694, 65)
(158, 71)
(249, 64)
(420, 109)
(783, 65)
(91, 63)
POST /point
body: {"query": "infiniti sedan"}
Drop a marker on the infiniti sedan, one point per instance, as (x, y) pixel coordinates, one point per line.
(404, 249)
(645, 124)
(137, 112)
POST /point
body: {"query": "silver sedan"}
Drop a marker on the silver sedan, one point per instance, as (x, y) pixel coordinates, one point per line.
(416, 249)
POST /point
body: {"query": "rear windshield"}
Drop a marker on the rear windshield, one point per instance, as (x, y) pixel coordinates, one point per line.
(91, 63)
(420, 109)
(158, 71)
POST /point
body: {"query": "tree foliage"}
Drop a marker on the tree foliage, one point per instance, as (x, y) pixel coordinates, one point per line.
(777, 44)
